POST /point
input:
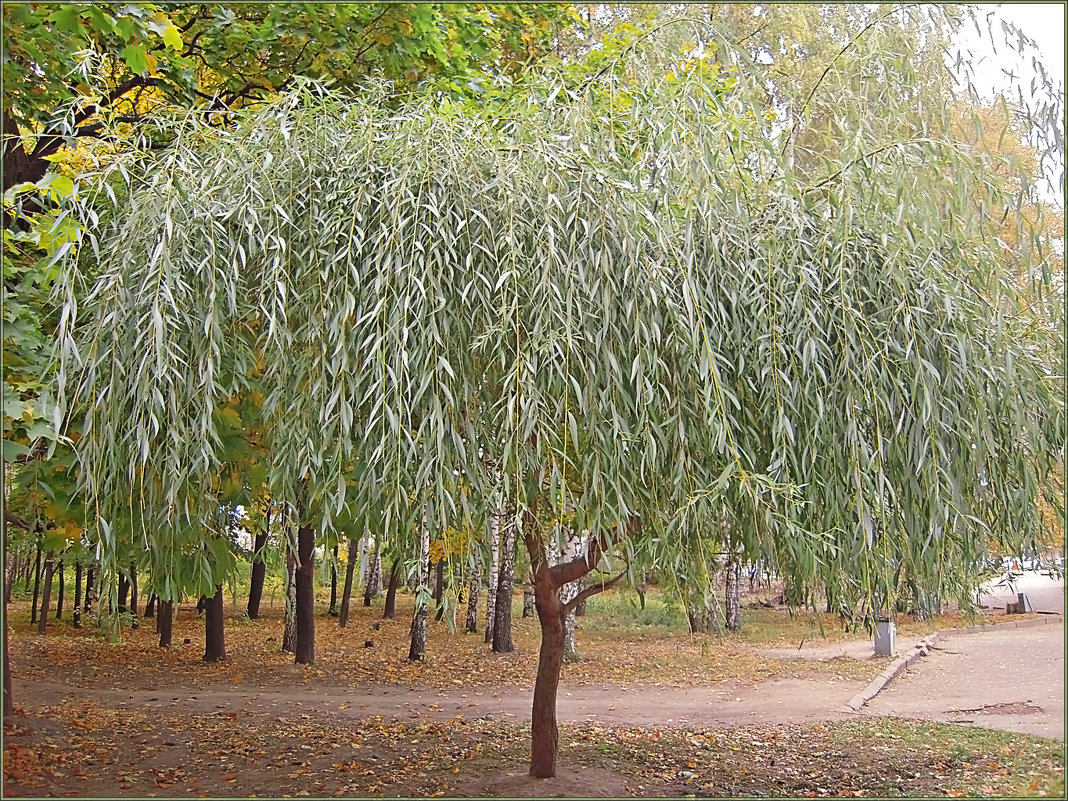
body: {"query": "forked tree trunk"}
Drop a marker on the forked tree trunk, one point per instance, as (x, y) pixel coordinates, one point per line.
(418, 645)
(165, 623)
(289, 628)
(46, 592)
(259, 572)
(491, 587)
(473, 591)
(502, 618)
(304, 653)
(214, 630)
(76, 614)
(390, 610)
(346, 595)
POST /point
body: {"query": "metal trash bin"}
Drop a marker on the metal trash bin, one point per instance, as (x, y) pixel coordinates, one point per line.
(885, 637)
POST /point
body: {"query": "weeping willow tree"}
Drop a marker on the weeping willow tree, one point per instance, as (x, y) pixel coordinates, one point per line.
(617, 305)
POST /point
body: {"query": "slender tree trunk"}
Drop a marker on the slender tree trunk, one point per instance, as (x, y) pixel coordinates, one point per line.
(133, 594)
(390, 610)
(76, 614)
(90, 575)
(259, 572)
(150, 605)
(350, 570)
(305, 649)
(36, 584)
(473, 591)
(491, 587)
(46, 593)
(289, 631)
(502, 623)
(332, 611)
(528, 597)
(124, 592)
(214, 631)
(165, 623)
(9, 698)
(439, 591)
(61, 569)
(732, 592)
(418, 647)
(572, 548)
(373, 586)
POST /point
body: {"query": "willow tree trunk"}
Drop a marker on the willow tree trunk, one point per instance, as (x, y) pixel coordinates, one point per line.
(528, 597)
(46, 592)
(439, 591)
(390, 610)
(346, 595)
(214, 631)
(165, 623)
(502, 618)
(36, 585)
(491, 587)
(259, 572)
(418, 646)
(473, 591)
(732, 592)
(332, 610)
(59, 591)
(304, 653)
(373, 585)
(76, 614)
(289, 628)
(133, 594)
(90, 575)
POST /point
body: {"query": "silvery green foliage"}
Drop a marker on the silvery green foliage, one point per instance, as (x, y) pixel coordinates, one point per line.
(625, 299)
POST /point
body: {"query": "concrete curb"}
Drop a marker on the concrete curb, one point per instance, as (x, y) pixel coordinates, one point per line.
(924, 646)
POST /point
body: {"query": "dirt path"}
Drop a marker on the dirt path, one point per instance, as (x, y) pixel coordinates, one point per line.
(782, 700)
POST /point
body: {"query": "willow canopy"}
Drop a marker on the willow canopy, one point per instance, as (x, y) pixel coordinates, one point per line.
(624, 303)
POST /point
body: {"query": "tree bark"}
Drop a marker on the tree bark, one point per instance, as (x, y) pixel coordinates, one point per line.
(304, 652)
(390, 610)
(76, 614)
(46, 592)
(373, 586)
(439, 591)
(289, 630)
(165, 623)
(572, 549)
(332, 610)
(418, 645)
(502, 618)
(124, 592)
(732, 592)
(473, 591)
(491, 587)
(150, 605)
(259, 572)
(528, 597)
(90, 575)
(61, 569)
(346, 596)
(36, 583)
(214, 631)
(133, 594)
